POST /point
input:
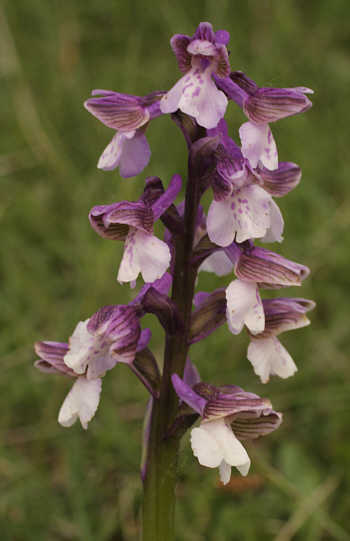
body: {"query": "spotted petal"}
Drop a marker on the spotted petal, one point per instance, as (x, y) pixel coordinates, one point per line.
(274, 233)
(258, 145)
(143, 253)
(196, 95)
(88, 352)
(245, 214)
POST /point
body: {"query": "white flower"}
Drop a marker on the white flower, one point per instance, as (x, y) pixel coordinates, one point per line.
(215, 445)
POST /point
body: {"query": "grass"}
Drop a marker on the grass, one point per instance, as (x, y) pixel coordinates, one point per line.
(68, 484)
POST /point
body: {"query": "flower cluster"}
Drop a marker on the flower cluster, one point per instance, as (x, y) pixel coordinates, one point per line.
(244, 178)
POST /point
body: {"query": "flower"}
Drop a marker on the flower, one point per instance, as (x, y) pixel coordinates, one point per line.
(242, 209)
(265, 351)
(229, 415)
(132, 222)
(83, 398)
(129, 115)
(110, 336)
(198, 58)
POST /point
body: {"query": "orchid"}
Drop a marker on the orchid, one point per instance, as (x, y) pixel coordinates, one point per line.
(229, 415)
(265, 351)
(242, 208)
(96, 345)
(133, 224)
(216, 234)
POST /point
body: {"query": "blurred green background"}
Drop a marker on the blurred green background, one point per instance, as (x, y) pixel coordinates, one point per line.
(67, 484)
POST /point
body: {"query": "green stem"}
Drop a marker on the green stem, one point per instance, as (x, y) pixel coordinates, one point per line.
(162, 453)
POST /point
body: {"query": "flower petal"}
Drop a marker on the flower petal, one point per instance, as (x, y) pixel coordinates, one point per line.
(225, 472)
(81, 401)
(282, 180)
(143, 253)
(274, 233)
(197, 95)
(110, 157)
(258, 145)
(88, 352)
(188, 395)
(118, 111)
(129, 150)
(214, 442)
(245, 214)
(218, 263)
(244, 306)
(135, 156)
(270, 357)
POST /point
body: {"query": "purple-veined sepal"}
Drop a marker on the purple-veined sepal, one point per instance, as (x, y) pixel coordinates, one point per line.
(264, 105)
(268, 269)
(283, 314)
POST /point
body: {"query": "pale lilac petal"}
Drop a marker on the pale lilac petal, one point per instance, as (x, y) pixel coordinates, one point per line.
(214, 442)
(270, 357)
(129, 150)
(143, 253)
(81, 401)
(218, 263)
(197, 95)
(274, 233)
(135, 156)
(87, 351)
(258, 145)
(111, 155)
(246, 213)
(244, 306)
